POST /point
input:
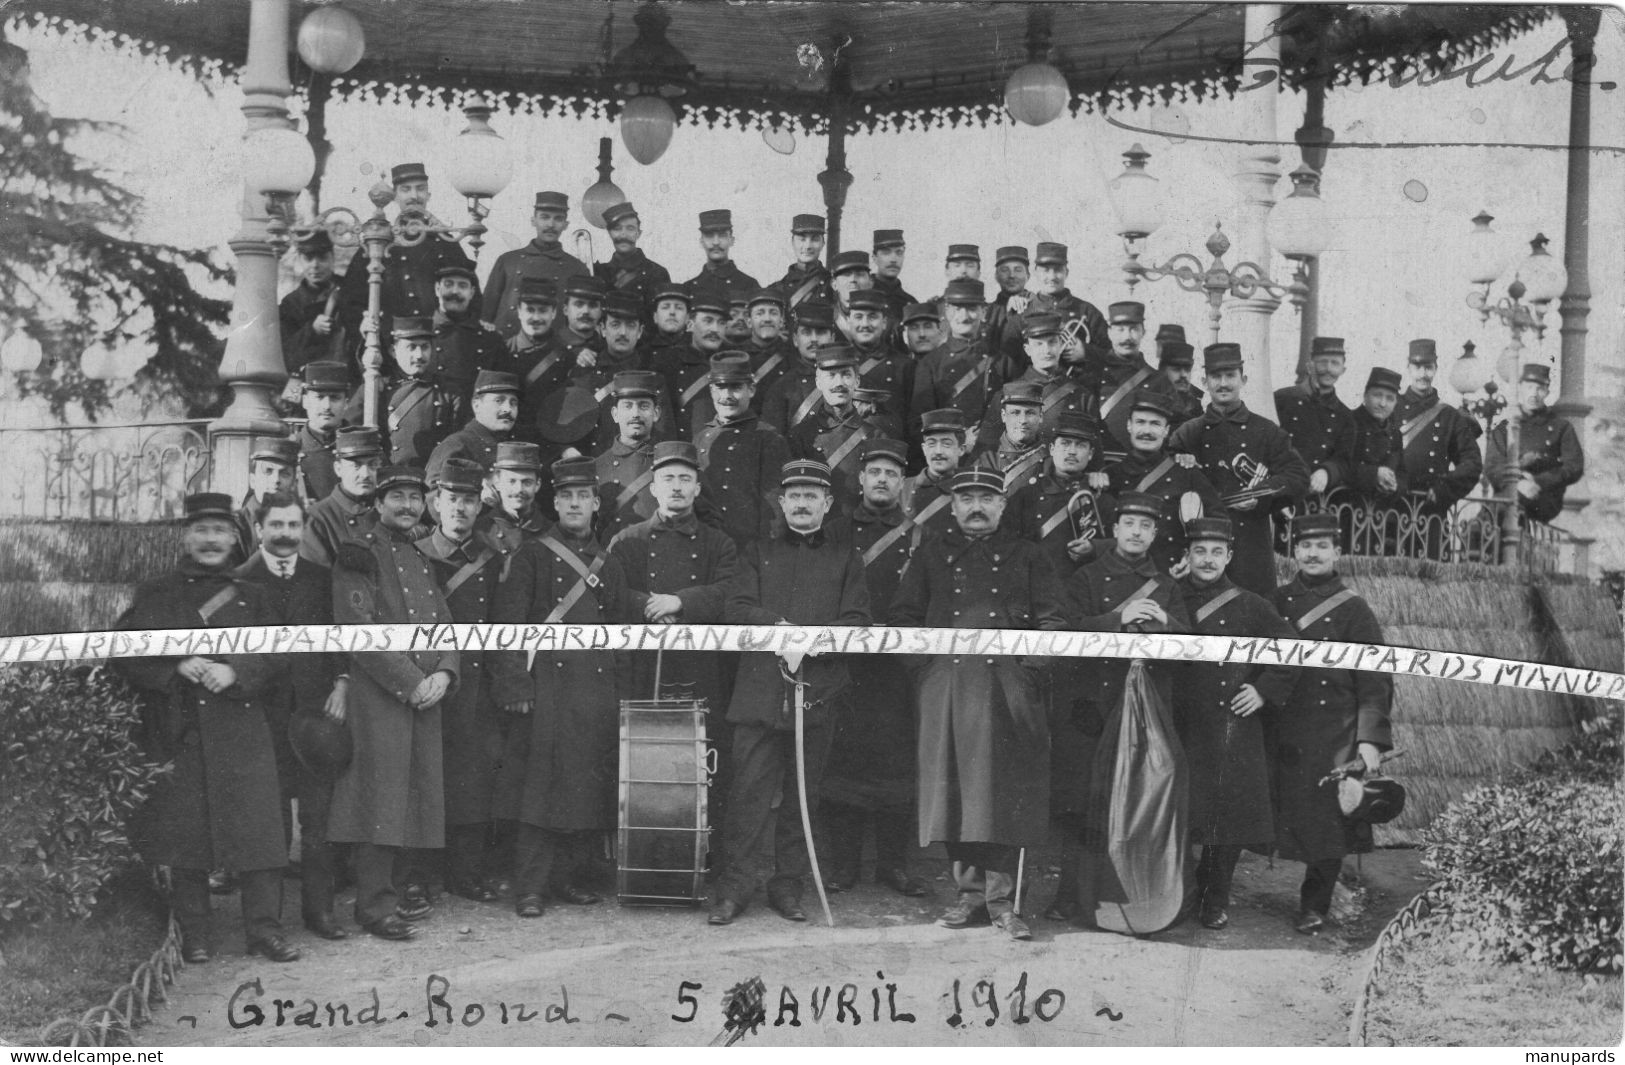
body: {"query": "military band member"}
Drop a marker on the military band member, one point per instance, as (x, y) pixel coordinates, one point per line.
(463, 345)
(515, 514)
(629, 270)
(271, 466)
(771, 352)
(308, 315)
(299, 592)
(687, 369)
(964, 373)
(1216, 710)
(1549, 456)
(1012, 269)
(1320, 427)
(542, 258)
(834, 431)
(669, 310)
(1058, 391)
(880, 365)
(1377, 466)
(1121, 590)
(418, 405)
(740, 458)
(221, 804)
(347, 511)
(1052, 296)
(807, 279)
(1112, 376)
(624, 470)
(870, 773)
(922, 333)
(495, 410)
(798, 576)
(983, 735)
(325, 393)
(1176, 359)
(580, 326)
(677, 570)
(391, 795)
(736, 333)
(1441, 445)
(622, 328)
(849, 272)
(926, 495)
(1333, 716)
(1017, 452)
(720, 278)
(536, 355)
(962, 262)
(466, 569)
(889, 251)
(792, 397)
(1148, 467)
(1060, 511)
(1248, 459)
(410, 271)
(557, 776)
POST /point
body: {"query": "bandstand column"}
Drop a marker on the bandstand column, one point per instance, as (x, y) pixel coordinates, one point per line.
(1258, 168)
(1575, 305)
(252, 364)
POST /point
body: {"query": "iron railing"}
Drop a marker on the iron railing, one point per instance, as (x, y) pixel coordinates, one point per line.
(1480, 529)
(116, 472)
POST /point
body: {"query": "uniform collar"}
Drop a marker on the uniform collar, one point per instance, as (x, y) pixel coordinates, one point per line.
(798, 539)
(438, 545)
(477, 429)
(635, 257)
(1322, 589)
(347, 502)
(318, 440)
(444, 322)
(552, 251)
(891, 517)
(687, 525)
(1052, 476)
(1239, 416)
(529, 522)
(622, 450)
(1201, 593)
(1006, 446)
(585, 545)
(959, 544)
(193, 571)
(1365, 417)
(1145, 567)
(1328, 400)
(743, 421)
(725, 267)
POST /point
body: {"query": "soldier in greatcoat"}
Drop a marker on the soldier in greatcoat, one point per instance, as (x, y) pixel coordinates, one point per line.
(1012, 270)
(347, 511)
(271, 465)
(391, 796)
(1217, 710)
(515, 514)
(536, 355)
(880, 364)
(1248, 459)
(495, 412)
(720, 277)
(926, 496)
(1017, 452)
(687, 369)
(418, 406)
(740, 458)
(791, 397)
(834, 430)
(1333, 716)
(1176, 359)
(798, 576)
(1319, 424)
(1057, 391)
(1121, 590)
(466, 568)
(307, 315)
(1377, 465)
(541, 259)
(624, 467)
(677, 570)
(807, 278)
(769, 347)
(1060, 511)
(558, 773)
(300, 592)
(984, 737)
(669, 312)
(1443, 460)
(629, 270)
(1115, 372)
(326, 390)
(1148, 467)
(889, 251)
(462, 344)
(869, 777)
(963, 373)
(221, 805)
(1549, 457)
(1090, 341)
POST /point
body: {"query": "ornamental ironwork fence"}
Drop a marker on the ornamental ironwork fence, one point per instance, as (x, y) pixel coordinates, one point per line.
(1480, 529)
(116, 472)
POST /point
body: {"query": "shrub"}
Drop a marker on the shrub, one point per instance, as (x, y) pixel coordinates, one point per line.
(73, 775)
(1533, 865)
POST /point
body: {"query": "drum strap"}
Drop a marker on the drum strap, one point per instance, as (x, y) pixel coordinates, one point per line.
(588, 575)
(216, 601)
(695, 388)
(982, 366)
(1323, 609)
(1155, 475)
(536, 372)
(806, 406)
(1139, 593)
(767, 366)
(1122, 390)
(1410, 430)
(1214, 605)
(847, 446)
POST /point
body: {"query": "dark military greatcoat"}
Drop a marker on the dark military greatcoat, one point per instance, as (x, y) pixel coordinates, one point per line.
(892, 372)
(1217, 440)
(301, 343)
(1321, 429)
(623, 486)
(511, 267)
(897, 298)
(791, 397)
(392, 792)
(221, 805)
(408, 290)
(1441, 447)
(634, 273)
(983, 734)
(741, 462)
(1052, 511)
(1159, 475)
(1547, 448)
(1069, 307)
(726, 281)
(1022, 466)
(1376, 444)
(462, 348)
(687, 371)
(801, 283)
(1110, 381)
(316, 476)
(333, 520)
(828, 436)
(505, 533)
(543, 367)
(473, 442)
(416, 414)
(962, 374)
(559, 770)
(1061, 393)
(1329, 712)
(1227, 755)
(920, 497)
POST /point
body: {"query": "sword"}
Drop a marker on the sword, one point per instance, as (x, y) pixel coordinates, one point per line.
(801, 784)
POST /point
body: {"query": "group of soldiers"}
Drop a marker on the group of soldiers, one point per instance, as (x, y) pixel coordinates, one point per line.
(596, 447)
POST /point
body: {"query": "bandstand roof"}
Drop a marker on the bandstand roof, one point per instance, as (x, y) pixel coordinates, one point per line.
(766, 62)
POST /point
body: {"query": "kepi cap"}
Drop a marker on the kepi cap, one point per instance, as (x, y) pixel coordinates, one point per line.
(804, 471)
(836, 356)
(1424, 352)
(886, 448)
(358, 442)
(815, 314)
(401, 173)
(1538, 372)
(623, 305)
(1040, 324)
(460, 475)
(1222, 356)
(1077, 426)
(400, 477)
(411, 328)
(538, 290)
(867, 299)
(731, 368)
(518, 455)
(946, 420)
(1050, 253)
(675, 452)
(574, 473)
(1175, 353)
(496, 381)
(848, 261)
(888, 238)
(1019, 393)
(275, 449)
(551, 201)
(617, 213)
(1381, 377)
(977, 478)
(965, 291)
(807, 223)
(324, 376)
(1140, 503)
(1205, 528)
(1308, 526)
(1155, 402)
(711, 221)
(200, 505)
(915, 312)
(1326, 346)
(964, 253)
(441, 273)
(636, 384)
(1011, 253)
(1126, 312)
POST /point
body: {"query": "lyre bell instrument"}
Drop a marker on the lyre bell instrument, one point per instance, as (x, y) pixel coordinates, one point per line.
(582, 241)
(1074, 330)
(1085, 514)
(1252, 474)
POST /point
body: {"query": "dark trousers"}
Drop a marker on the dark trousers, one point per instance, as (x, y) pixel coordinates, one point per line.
(375, 896)
(844, 826)
(1214, 874)
(466, 852)
(261, 901)
(317, 861)
(985, 874)
(763, 838)
(1319, 878)
(546, 860)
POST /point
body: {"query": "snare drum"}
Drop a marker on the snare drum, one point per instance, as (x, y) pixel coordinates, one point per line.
(664, 827)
